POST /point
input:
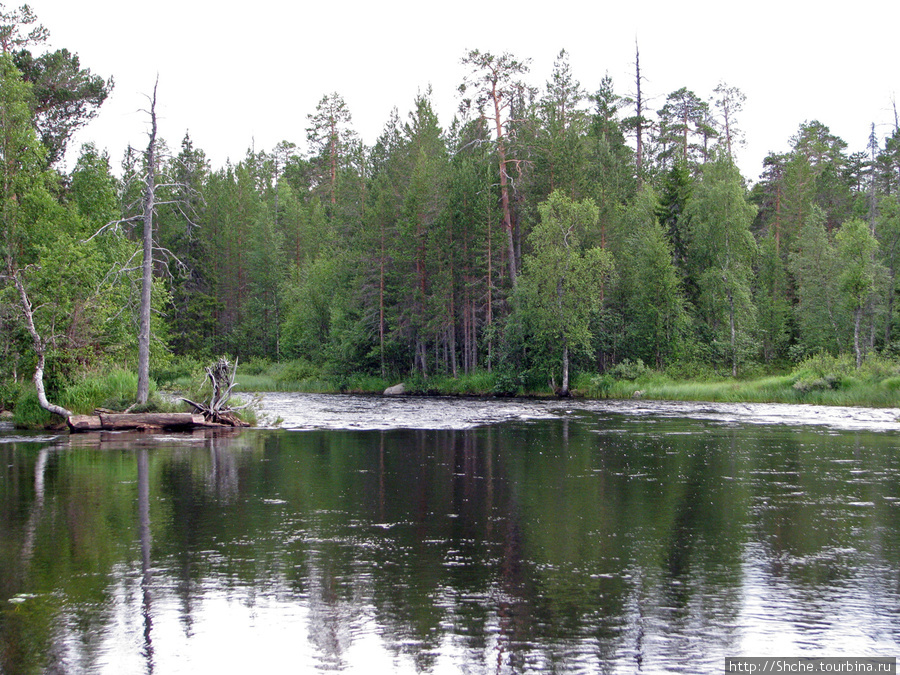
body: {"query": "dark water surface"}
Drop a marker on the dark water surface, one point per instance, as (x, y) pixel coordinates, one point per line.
(448, 536)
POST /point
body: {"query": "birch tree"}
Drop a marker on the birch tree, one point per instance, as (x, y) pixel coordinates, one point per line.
(22, 190)
(856, 252)
(723, 249)
(561, 282)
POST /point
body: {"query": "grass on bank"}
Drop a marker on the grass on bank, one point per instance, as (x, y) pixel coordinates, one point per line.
(822, 379)
(818, 380)
(115, 389)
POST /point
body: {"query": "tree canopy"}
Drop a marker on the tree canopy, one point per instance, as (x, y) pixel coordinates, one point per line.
(527, 236)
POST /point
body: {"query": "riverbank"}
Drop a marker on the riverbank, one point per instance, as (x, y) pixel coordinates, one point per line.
(820, 380)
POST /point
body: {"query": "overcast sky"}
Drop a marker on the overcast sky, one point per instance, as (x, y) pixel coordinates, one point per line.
(241, 74)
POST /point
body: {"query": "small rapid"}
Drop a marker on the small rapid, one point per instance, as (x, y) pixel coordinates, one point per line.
(338, 411)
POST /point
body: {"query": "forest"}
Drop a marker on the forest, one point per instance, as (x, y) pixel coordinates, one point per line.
(548, 232)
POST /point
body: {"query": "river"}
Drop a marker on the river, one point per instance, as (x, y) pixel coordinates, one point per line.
(441, 535)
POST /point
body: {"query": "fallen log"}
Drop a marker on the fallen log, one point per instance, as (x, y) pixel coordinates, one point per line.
(105, 421)
(226, 418)
(123, 421)
(84, 423)
(218, 411)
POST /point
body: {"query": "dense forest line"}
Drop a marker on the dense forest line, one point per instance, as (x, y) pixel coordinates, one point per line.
(546, 230)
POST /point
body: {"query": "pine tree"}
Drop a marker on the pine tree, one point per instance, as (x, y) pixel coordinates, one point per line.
(654, 301)
(772, 301)
(820, 317)
(494, 79)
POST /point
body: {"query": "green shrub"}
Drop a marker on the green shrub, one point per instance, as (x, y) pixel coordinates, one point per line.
(822, 364)
(697, 371)
(877, 368)
(256, 366)
(891, 383)
(507, 383)
(28, 414)
(805, 385)
(629, 370)
(599, 386)
(10, 391)
(289, 372)
(175, 370)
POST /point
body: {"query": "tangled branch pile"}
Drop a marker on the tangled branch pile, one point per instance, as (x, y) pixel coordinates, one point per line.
(221, 376)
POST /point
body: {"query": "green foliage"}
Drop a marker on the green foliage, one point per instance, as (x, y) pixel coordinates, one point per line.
(508, 383)
(109, 390)
(66, 95)
(10, 392)
(346, 268)
(294, 371)
(94, 188)
(772, 302)
(856, 248)
(257, 366)
(629, 370)
(561, 283)
(176, 369)
(312, 295)
(654, 302)
(114, 389)
(28, 414)
(723, 251)
(821, 317)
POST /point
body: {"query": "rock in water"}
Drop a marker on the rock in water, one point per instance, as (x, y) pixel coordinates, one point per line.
(396, 390)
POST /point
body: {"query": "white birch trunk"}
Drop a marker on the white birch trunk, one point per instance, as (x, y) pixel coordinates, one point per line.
(39, 350)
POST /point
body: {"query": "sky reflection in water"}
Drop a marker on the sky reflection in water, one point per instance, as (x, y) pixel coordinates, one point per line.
(545, 536)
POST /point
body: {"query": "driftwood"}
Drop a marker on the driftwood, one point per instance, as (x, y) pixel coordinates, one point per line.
(135, 421)
(221, 376)
(217, 413)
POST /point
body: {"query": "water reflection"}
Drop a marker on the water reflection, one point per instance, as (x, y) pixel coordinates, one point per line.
(143, 478)
(586, 543)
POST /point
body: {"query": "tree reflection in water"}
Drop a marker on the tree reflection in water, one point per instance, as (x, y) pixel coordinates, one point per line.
(587, 543)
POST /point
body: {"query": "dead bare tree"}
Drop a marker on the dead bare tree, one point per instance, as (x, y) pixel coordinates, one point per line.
(143, 385)
(221, 376)
(150, 251)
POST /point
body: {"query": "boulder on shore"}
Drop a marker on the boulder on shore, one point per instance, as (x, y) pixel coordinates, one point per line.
(396, 390)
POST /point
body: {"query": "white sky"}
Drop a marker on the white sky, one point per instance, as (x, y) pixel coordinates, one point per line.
(234, 74)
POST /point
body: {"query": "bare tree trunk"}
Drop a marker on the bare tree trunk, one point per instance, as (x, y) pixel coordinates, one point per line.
(734, 358)
(381, 303)
(639, 151)
(490, 296)
(504, 188)
(565, 375)
(39, 350)
(143, 387)
(334, 153)
(890, 306)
